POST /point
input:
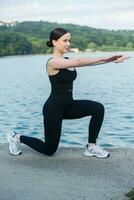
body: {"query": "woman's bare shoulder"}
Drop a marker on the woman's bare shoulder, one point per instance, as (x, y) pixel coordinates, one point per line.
(62, 63)
(50, 69)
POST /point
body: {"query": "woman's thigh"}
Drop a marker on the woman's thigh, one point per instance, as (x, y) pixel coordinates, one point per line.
(82, 108)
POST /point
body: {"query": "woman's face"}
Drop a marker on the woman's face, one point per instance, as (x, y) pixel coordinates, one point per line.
(63, 43)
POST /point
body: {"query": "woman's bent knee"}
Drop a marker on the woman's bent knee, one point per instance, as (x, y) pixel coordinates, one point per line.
(100, 108)
(51, 151)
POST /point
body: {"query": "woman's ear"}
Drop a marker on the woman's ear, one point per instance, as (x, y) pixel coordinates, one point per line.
(54, 42)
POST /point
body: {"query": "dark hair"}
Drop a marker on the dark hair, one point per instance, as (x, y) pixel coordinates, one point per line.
(55, 35)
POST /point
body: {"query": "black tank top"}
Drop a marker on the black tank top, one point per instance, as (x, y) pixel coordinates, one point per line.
(62, 82)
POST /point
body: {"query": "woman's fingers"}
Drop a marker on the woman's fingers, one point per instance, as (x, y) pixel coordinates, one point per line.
(116, 58)
(121, 59)
(113, 58)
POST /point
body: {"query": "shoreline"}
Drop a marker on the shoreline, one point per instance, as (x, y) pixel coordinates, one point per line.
(83, 52)
(69, 146)
(67, 175)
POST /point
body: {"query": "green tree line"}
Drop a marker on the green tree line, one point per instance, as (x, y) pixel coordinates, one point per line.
(30, 38)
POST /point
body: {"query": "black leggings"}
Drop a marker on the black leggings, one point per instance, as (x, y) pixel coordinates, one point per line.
(53, 124)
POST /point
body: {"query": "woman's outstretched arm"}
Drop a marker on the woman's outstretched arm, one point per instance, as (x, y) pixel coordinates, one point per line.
(62, 63)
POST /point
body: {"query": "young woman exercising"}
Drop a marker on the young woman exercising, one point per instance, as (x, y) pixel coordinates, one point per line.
(61, 105)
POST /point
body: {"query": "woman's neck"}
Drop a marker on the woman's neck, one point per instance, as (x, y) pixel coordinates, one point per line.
(57, 54)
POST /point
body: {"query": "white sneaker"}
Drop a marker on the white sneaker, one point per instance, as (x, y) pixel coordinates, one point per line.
(96, 151)
(14, 144)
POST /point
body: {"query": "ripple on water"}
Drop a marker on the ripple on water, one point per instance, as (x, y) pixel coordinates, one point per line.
(106, 145)
(69, 143)
(129, 117)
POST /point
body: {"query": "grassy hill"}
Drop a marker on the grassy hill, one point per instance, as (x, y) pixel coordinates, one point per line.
(30, 38)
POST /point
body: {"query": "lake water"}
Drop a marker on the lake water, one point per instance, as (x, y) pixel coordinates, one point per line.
(24, 87)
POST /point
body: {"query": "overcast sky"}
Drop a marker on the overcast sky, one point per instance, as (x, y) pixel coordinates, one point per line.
(109, 14)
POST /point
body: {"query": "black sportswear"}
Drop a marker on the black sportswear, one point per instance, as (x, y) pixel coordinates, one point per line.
(61, 105)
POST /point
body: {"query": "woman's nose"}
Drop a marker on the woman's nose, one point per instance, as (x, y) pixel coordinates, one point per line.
(68, 43)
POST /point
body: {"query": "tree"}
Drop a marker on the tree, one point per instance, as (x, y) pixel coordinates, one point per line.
(129, 45)
(92, 46)
(14, 44)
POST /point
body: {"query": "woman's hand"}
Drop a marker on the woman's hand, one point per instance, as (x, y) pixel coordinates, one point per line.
(121, 59)
(116, 58)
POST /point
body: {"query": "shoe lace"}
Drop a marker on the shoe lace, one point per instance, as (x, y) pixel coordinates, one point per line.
(98, 149)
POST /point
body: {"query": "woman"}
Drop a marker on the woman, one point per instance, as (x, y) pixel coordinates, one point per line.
(61, 105)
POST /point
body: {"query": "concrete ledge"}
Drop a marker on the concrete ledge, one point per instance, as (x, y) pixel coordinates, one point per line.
(67, 175)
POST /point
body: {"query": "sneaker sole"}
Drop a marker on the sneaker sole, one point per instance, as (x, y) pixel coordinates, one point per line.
(12, 153)
(93, 155)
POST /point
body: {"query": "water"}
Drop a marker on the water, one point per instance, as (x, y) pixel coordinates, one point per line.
(24, 87)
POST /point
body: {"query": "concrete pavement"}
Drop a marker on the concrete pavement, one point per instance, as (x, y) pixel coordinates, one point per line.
(67, 175)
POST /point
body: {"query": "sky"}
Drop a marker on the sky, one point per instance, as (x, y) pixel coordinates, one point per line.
(107, 14)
